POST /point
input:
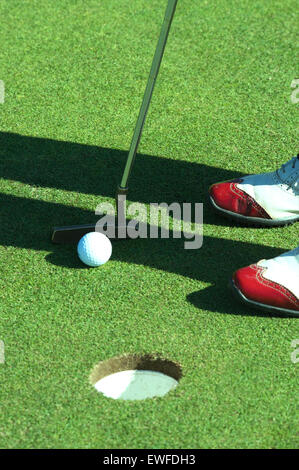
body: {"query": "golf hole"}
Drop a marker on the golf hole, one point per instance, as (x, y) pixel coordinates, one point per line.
(135, 377)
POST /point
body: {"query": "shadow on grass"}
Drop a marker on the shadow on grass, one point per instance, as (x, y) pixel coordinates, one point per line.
(208, 264)
(26, 223)
(94, 170)
(219, 299)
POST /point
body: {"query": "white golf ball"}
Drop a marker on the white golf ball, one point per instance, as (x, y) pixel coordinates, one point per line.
(94, 249)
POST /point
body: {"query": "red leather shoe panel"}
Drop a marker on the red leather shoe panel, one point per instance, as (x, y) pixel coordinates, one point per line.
(254, 286)
(228, 196)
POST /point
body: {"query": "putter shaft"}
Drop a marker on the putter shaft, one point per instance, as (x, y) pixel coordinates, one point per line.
(169, 14)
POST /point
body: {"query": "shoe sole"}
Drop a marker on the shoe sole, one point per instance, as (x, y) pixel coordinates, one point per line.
(253, 221)
(257, 305)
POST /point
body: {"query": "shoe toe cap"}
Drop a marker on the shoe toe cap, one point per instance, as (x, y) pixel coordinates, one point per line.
(224, 196)
(254, 286)
(230, 197)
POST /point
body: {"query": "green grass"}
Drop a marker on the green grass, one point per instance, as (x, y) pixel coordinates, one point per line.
(75, 73)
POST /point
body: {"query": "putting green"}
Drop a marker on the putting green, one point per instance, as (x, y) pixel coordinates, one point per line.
(74, 75)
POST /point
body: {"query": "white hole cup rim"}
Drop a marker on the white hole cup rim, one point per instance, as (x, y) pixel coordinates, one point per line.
(135, 385)
(133, 377)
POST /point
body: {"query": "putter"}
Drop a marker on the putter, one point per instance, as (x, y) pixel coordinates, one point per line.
(73, 233)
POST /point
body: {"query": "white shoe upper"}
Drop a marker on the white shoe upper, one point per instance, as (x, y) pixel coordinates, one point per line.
(284, 270)
(276, 192)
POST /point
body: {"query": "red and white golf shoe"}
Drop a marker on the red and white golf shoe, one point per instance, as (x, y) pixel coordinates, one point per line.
(271, 285)
(267, 199)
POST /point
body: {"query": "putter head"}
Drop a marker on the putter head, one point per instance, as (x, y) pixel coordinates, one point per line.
(112, 228)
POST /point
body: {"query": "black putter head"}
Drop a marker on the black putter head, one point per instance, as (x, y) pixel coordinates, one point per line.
(113, 229)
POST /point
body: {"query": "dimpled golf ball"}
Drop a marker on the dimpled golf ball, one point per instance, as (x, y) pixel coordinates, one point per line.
(94, 249)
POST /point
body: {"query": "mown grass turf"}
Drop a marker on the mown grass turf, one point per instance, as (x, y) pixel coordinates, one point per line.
(75, 73)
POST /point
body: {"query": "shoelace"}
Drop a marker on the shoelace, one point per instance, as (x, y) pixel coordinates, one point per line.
(294, 161)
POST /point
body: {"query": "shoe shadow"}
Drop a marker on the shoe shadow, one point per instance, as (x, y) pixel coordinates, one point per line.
(219, 299)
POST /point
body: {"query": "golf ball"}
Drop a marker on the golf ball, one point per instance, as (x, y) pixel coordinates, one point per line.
(94, 249)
